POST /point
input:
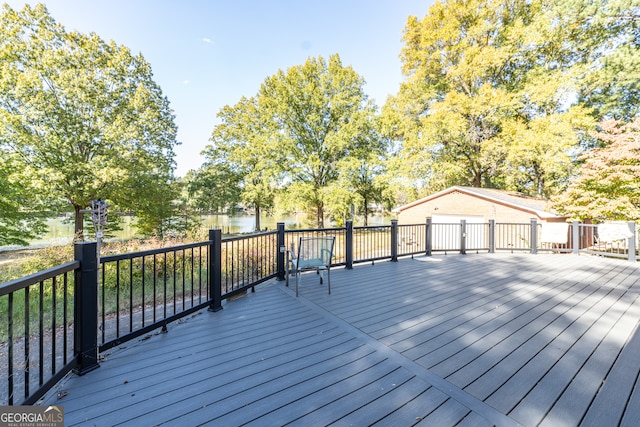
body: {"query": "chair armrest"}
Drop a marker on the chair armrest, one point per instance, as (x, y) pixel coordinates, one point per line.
(287, 268)
(330, 255)
(290, 257)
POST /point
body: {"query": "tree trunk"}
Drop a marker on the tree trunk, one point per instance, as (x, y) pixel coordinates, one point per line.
(477, 180)
(257, 209)
(79, 224)
(539, 180)
(366, 212)
(320, 215)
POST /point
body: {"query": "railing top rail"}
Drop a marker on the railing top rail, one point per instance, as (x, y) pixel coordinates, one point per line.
(374, 227)
(315, 230)
(21, 283)
(249, 236)
(130, 255)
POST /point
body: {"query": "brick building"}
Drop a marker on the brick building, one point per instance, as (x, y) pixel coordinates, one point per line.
(477, 205)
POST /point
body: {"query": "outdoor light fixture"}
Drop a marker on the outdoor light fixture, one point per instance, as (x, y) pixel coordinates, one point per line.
(99, 215)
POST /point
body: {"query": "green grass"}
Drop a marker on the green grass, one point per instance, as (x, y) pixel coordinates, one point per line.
(128, 285)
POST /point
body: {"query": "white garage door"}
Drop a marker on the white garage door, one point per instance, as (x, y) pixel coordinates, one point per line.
(446, 232)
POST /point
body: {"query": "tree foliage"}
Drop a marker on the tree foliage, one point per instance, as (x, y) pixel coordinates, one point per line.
(607, 186)
(323, 116)
(84, 117)
(244, 148)
(214, 187)
(21, 215)
(604, 36)
(300, 134)
(362, 174)
(504, 93)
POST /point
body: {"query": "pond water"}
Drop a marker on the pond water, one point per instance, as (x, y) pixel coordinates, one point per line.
(60, 230)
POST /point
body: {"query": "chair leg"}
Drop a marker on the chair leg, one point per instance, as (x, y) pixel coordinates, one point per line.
(329, 280)
(297, 278)
(287, 273)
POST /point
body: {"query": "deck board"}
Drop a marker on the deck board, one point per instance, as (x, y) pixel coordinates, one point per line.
(601, 345)
(497, 342)
(631, 416)
(561, 367)
(610, 402)
(489, 339)
(308, 389)
(412, 396)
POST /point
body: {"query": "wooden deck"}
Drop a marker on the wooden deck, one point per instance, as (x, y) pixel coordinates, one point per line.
(490, 339)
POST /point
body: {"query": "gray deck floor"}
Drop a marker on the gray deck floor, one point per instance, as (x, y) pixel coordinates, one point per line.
(490, 339)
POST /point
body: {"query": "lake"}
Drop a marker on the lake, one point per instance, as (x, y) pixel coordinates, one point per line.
(60, 231)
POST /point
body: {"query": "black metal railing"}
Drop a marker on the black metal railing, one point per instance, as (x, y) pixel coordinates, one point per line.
(36, 331)
(248, 261)
(477, 237)
(56, 321)
(145, 290)
(412, 239)
(513, 237)
(371, 243)
(141, 291)
(292, 239)
(446, 237)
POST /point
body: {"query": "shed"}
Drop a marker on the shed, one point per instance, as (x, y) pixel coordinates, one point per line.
(477, 205)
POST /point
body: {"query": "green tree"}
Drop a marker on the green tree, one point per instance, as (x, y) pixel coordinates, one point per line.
(245, 145)
(604, 36)
(362, 175)
(607, 185)
(361, 183)
(214, 187)
(482, 78)
(84, 116)
(320, 111)
(158, 211)
(21, 215)
(186, 220)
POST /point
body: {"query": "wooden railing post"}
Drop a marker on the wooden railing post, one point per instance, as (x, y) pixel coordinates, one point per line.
(492, 236)
(348, 245)
(575, 233)
(429, 236)
(282, 250)
(394, 240)
(85, 308)
(632, 242)
(463, 237)
(215, 269)
(534, 236)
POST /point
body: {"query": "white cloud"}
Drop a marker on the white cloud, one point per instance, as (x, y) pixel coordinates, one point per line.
(207, 40)
(185, 82)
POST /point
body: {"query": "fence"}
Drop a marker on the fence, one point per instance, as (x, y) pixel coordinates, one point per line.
(60, 319)
(38, 310)
(138, 291)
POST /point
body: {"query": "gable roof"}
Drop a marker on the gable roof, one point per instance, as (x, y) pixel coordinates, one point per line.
(510, 198)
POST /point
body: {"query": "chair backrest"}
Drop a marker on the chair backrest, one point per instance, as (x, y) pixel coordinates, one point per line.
(315, 252)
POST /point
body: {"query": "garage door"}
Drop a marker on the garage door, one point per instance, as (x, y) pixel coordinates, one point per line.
(446, 232)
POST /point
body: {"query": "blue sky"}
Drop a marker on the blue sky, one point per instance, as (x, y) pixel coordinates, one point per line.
(208, 54)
